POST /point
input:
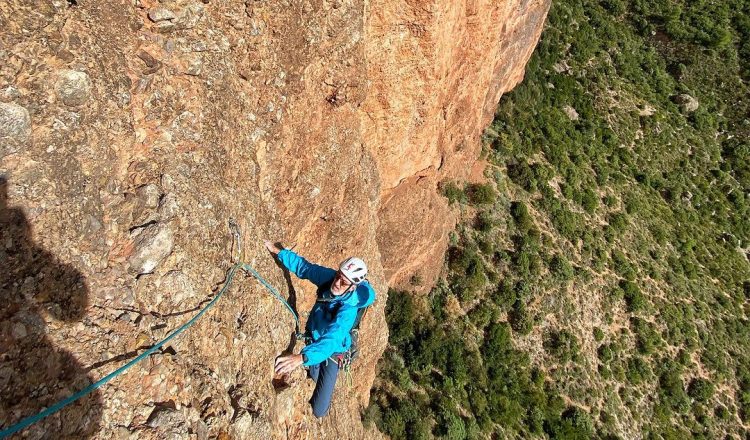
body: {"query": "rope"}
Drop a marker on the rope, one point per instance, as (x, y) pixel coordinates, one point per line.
(275, 293)
(89, 389)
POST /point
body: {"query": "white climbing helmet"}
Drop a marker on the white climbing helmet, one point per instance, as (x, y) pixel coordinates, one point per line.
(354, 269)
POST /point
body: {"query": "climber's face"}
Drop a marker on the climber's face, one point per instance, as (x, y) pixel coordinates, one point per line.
(340, 284)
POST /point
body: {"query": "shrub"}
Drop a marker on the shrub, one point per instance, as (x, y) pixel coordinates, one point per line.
(634, 299)
(519, 318)
(453, 193)
(521, 215)
(700, 389)
(561, 268)
(638, 370)
(633, 204)
(400, 314)
(480, 194)
(522, 175)
(621, 265)
(562, 344)
(598, 334)
(505, 295)
(617, 221)
(484, 221)
(605, 353)
(567, 223)
(589, 200)
(575, 424)
(647, 339)
(671, 387)
(482, 315)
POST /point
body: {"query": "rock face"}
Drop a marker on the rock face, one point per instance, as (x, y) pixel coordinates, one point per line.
(15, 127)
(439, 69)
(326, 125)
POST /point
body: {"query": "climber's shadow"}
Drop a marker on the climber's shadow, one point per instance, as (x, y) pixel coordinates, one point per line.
(292, 297)
(36, 288)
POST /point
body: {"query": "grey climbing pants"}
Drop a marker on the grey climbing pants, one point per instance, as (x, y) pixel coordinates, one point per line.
(324, 375)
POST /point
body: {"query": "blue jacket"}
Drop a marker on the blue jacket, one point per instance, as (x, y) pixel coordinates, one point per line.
(331, 319)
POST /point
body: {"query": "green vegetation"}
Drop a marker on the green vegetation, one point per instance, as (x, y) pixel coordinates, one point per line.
(599, 285)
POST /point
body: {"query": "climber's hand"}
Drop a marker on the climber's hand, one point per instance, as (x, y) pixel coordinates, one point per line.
(272, 248)
(286, 364)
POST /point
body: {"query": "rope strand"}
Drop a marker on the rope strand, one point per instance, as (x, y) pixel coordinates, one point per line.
(91, 388)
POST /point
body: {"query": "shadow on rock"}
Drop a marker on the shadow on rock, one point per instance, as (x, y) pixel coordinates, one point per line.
(34, 374)
(292, 300)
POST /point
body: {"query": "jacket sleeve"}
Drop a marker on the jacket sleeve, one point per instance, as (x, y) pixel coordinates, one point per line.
(333, 339)
(318, 275)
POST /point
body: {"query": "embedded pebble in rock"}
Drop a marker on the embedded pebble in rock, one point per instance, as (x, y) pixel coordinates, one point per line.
(19, 331)
(73, 87)
(178, 285)
(168, 207)
(9, 93)
(160, 13)
(195, 65)
(15, 127)
(187, 126)
(165, 418)
(152, 246)
(145, 202)
(189, 16)
(148, 195)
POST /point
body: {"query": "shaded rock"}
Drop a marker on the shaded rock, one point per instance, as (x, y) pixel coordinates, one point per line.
(168, 207)
(189, 16)
(687, 103)
(415, 210)
(160, 13)
(194, 65)
(19, 331)
(9, 93)
(166, 418)
(15, 128)
(571, 112)
(73, 87)
(152, 246)
(165, 26)
(152, 64)
(144, 203)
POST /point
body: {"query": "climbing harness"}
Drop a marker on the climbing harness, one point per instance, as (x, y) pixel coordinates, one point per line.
(346, 359)
(91, 388)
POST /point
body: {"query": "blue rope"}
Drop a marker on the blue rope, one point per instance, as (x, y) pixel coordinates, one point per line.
(67, 401)
(274, 292)
(89, 389)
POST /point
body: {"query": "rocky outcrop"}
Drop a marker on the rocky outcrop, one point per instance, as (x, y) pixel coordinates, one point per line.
(439, 69)
(131, 131)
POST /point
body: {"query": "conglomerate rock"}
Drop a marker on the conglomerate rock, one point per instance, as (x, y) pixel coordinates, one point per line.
(132, 131)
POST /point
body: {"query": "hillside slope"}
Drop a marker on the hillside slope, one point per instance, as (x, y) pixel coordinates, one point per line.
(131, 132)
(598, 283)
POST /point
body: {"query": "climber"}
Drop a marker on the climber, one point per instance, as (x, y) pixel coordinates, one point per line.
(341, 293)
